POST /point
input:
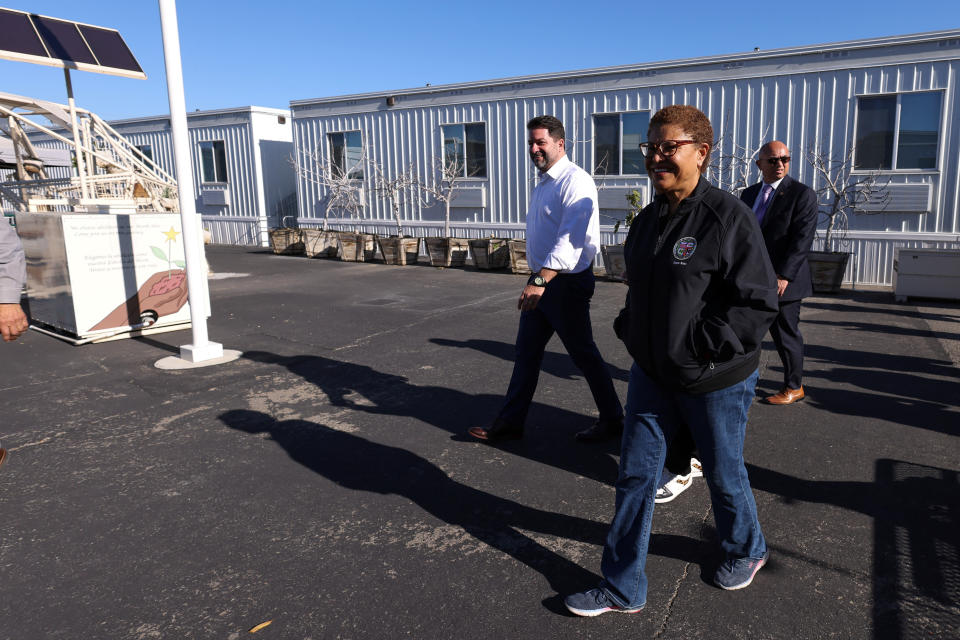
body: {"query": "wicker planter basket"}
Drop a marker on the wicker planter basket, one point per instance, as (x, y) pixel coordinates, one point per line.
(287, 242)
(490, 253)
(827, 269)
(518, 256)
(356, 247)
(401, 251)
(319, 244)
(447, 252)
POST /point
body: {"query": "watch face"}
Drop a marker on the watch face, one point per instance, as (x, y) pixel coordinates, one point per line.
(539, 281)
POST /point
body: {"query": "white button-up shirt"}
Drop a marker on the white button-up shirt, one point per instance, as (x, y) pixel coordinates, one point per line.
(563, 221)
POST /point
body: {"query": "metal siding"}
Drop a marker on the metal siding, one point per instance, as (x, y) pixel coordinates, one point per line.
(814, 110)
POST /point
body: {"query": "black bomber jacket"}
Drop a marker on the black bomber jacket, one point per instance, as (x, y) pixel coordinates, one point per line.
(702, 293)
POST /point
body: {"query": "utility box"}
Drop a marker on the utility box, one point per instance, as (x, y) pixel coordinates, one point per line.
(926, 273)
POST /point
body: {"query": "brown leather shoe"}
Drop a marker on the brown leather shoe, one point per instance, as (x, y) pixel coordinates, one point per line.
(786, 396)
(3, 456)
(497, 432)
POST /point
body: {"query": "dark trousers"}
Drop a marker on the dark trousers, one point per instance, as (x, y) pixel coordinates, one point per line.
(564, 309)
(785, 332)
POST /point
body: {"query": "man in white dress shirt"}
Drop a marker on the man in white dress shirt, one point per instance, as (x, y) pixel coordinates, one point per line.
(563, 237)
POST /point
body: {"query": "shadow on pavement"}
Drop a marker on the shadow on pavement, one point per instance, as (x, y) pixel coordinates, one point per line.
(916, 555)
(556, 364)
(364, 389)
(490, 519)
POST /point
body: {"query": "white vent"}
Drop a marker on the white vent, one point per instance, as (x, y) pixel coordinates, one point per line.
(904, 198)
(616, 197)
(473, 197)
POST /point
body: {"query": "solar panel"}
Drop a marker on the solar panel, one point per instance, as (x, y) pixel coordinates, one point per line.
(27, 37)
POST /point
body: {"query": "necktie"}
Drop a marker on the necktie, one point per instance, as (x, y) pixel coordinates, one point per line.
(764, 201)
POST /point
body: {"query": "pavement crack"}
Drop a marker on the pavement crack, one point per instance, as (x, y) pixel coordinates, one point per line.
(676, 587)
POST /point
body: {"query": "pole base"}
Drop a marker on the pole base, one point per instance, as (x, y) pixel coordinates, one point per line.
(199, 353)
(176, 363)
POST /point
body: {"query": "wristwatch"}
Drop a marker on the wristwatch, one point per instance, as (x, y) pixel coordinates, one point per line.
(537, 280)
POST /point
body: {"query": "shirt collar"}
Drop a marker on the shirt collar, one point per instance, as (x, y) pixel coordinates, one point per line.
(774, 184)
(557, 168)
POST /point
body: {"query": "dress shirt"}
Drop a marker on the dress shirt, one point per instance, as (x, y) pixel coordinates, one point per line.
(756, 203)
(12, 264)
(563, 221)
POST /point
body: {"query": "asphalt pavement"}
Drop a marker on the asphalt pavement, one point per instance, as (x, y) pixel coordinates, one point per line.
(323, 482)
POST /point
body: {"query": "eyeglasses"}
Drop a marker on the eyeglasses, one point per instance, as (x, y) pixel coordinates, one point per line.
(666, 148)
(773, 161)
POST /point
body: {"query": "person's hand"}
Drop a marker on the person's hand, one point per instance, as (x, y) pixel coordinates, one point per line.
(530, 297)
(163, 293)
(781, 286)
(13, 321)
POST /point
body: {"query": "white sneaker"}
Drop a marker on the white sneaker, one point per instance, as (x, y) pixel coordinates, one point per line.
(672, 488)
(678, 484)
(696, 469)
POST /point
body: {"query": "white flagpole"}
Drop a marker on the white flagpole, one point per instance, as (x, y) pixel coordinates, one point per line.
(201, 349)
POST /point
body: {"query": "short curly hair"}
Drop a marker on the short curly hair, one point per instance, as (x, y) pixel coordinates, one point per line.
(693, 122)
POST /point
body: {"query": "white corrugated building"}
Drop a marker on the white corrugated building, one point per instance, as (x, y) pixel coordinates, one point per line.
(243, 176)
(893, 98)
(242, 173)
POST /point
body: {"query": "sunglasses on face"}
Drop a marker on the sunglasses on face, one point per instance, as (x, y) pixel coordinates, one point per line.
(773, 161)
(666, 148)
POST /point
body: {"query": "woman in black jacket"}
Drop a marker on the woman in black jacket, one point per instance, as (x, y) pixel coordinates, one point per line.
(701, 296)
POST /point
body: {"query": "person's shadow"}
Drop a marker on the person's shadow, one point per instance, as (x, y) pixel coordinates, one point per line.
(490, 519)
(555, 364)
(390, 470)
(364, 389)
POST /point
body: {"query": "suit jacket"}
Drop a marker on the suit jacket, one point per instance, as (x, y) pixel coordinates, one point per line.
(788, 229)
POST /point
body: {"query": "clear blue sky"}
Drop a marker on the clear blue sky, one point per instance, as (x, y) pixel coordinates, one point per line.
(270, 52)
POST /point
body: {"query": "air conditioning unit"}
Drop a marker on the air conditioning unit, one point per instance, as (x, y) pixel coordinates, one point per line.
(926, 273)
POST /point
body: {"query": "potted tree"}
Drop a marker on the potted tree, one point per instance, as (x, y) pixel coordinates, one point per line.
(840, 193)
(613, 260)
(344, 193)
(287, 240)
(398, 190)
(490, 253)
(445, 251)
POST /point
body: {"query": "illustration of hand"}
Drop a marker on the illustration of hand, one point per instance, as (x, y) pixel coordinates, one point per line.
(163, 293)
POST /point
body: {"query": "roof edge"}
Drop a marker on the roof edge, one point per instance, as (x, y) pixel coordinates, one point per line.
(866, 43)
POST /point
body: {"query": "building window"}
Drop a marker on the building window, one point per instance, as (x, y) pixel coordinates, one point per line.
(616, 143)
(213, 161)
(346, 154)
(898, 131)
(146, 151)
(465, 146)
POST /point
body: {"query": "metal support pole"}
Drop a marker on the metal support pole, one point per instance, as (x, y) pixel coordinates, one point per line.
(201, 349)
(78, 147)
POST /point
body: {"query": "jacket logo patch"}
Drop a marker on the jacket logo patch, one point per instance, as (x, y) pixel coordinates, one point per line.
(684, 248)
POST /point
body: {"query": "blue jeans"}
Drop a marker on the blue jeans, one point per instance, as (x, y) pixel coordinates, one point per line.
(564, 308)
(718, 422)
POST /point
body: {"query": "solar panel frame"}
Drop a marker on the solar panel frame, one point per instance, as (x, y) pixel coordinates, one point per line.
(19, 34)
(65, 44)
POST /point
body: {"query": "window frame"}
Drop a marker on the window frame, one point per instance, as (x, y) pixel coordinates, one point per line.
(226, 176)
(331, 161)
(466, 162)
(148, 154)
(593, 150)
(896, 133)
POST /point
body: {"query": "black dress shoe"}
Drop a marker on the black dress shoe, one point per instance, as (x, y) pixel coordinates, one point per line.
(602, 430)
(497, 432)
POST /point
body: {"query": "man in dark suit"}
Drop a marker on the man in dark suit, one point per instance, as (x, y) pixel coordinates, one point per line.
(787, 213)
